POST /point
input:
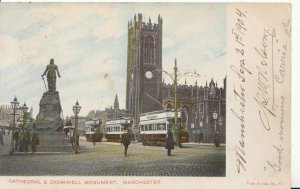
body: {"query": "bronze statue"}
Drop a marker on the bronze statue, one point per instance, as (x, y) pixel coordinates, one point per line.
(51, 75)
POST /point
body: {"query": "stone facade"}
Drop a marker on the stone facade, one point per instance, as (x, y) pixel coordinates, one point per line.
(200, 102)
(144, 67)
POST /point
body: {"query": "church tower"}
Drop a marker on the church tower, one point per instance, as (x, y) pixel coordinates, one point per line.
(144, 67)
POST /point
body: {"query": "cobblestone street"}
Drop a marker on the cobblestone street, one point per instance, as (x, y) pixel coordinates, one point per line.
(107, 159)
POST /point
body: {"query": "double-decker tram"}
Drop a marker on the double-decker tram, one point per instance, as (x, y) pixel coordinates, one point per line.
(154, 126)
(115, 128)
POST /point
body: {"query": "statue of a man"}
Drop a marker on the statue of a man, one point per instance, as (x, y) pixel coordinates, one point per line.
(51, 75)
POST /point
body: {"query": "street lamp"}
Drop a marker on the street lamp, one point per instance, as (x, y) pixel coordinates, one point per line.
(14, 105)
(216, 137)
(76, 110)
(175, 80)
(175, 77)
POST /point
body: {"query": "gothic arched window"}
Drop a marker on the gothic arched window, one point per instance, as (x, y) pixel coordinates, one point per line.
(149, 50)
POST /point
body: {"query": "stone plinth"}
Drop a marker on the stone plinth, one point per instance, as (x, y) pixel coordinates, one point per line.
(50, 141)
(49, 114)
(49, 125)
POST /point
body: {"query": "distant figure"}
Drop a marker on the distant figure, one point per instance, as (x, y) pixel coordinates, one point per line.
(66, 132)
(69, 135)
(94, 138)
(77, 139)
(34, 141)
(22, 142)
(16, 139)
(126, 139)
(27, 140)
(144, 139)
(1, 139)
(217, 139)
(200, 139)
(51, 71)
(169, 142)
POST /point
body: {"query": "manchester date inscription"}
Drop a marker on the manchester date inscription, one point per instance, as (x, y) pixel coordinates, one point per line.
(241, 71)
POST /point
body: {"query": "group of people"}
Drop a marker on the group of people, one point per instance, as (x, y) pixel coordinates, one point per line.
(128, 136)
(24, 139)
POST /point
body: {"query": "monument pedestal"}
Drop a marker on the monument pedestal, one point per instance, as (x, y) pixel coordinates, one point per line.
(50, 141)
(49, 125)
(49, 114)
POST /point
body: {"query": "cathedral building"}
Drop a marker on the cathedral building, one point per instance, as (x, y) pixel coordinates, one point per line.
(146, 92)
(200, 102)
(144, 67)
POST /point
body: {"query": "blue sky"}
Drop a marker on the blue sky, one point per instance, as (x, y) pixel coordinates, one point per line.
(89, 41)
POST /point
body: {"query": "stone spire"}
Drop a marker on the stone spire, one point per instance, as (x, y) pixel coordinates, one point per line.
(116, 103)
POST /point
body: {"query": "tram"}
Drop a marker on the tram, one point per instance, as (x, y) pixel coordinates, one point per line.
(91, 128)
(115, 128)
(154, 126)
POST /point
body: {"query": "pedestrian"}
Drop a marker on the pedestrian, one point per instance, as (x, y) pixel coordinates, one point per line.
(21, 142)
(1, 139)
(94, 138)
(70, 137)
(26, 140)
(77, 139)
(201, 137)
(34, 141)
(126, 139)
(169, 142)
(16, 138)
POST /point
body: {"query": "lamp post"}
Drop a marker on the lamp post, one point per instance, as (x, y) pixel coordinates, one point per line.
(76, 110)
(220, 126)
(216, 137)
(174, 79)
(14, 105)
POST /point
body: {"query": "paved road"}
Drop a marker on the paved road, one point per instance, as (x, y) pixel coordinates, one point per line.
(107, 159)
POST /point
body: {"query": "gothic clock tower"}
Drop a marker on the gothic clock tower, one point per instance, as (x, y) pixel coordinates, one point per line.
(144, 67)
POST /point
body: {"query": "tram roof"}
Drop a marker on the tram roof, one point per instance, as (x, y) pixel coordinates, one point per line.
(159, 115)
(125, 120)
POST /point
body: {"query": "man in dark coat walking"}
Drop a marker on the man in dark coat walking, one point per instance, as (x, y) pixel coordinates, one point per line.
(169, 142)
(94, 138)
(126, 139)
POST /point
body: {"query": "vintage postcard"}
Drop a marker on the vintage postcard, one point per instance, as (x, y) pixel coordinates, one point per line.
(152, 95)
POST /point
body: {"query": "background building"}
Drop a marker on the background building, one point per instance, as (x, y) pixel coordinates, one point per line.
(144, 67)
(146, 92)
(200, 103)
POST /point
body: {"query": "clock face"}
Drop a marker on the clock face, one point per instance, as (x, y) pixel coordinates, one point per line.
(148, 75)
